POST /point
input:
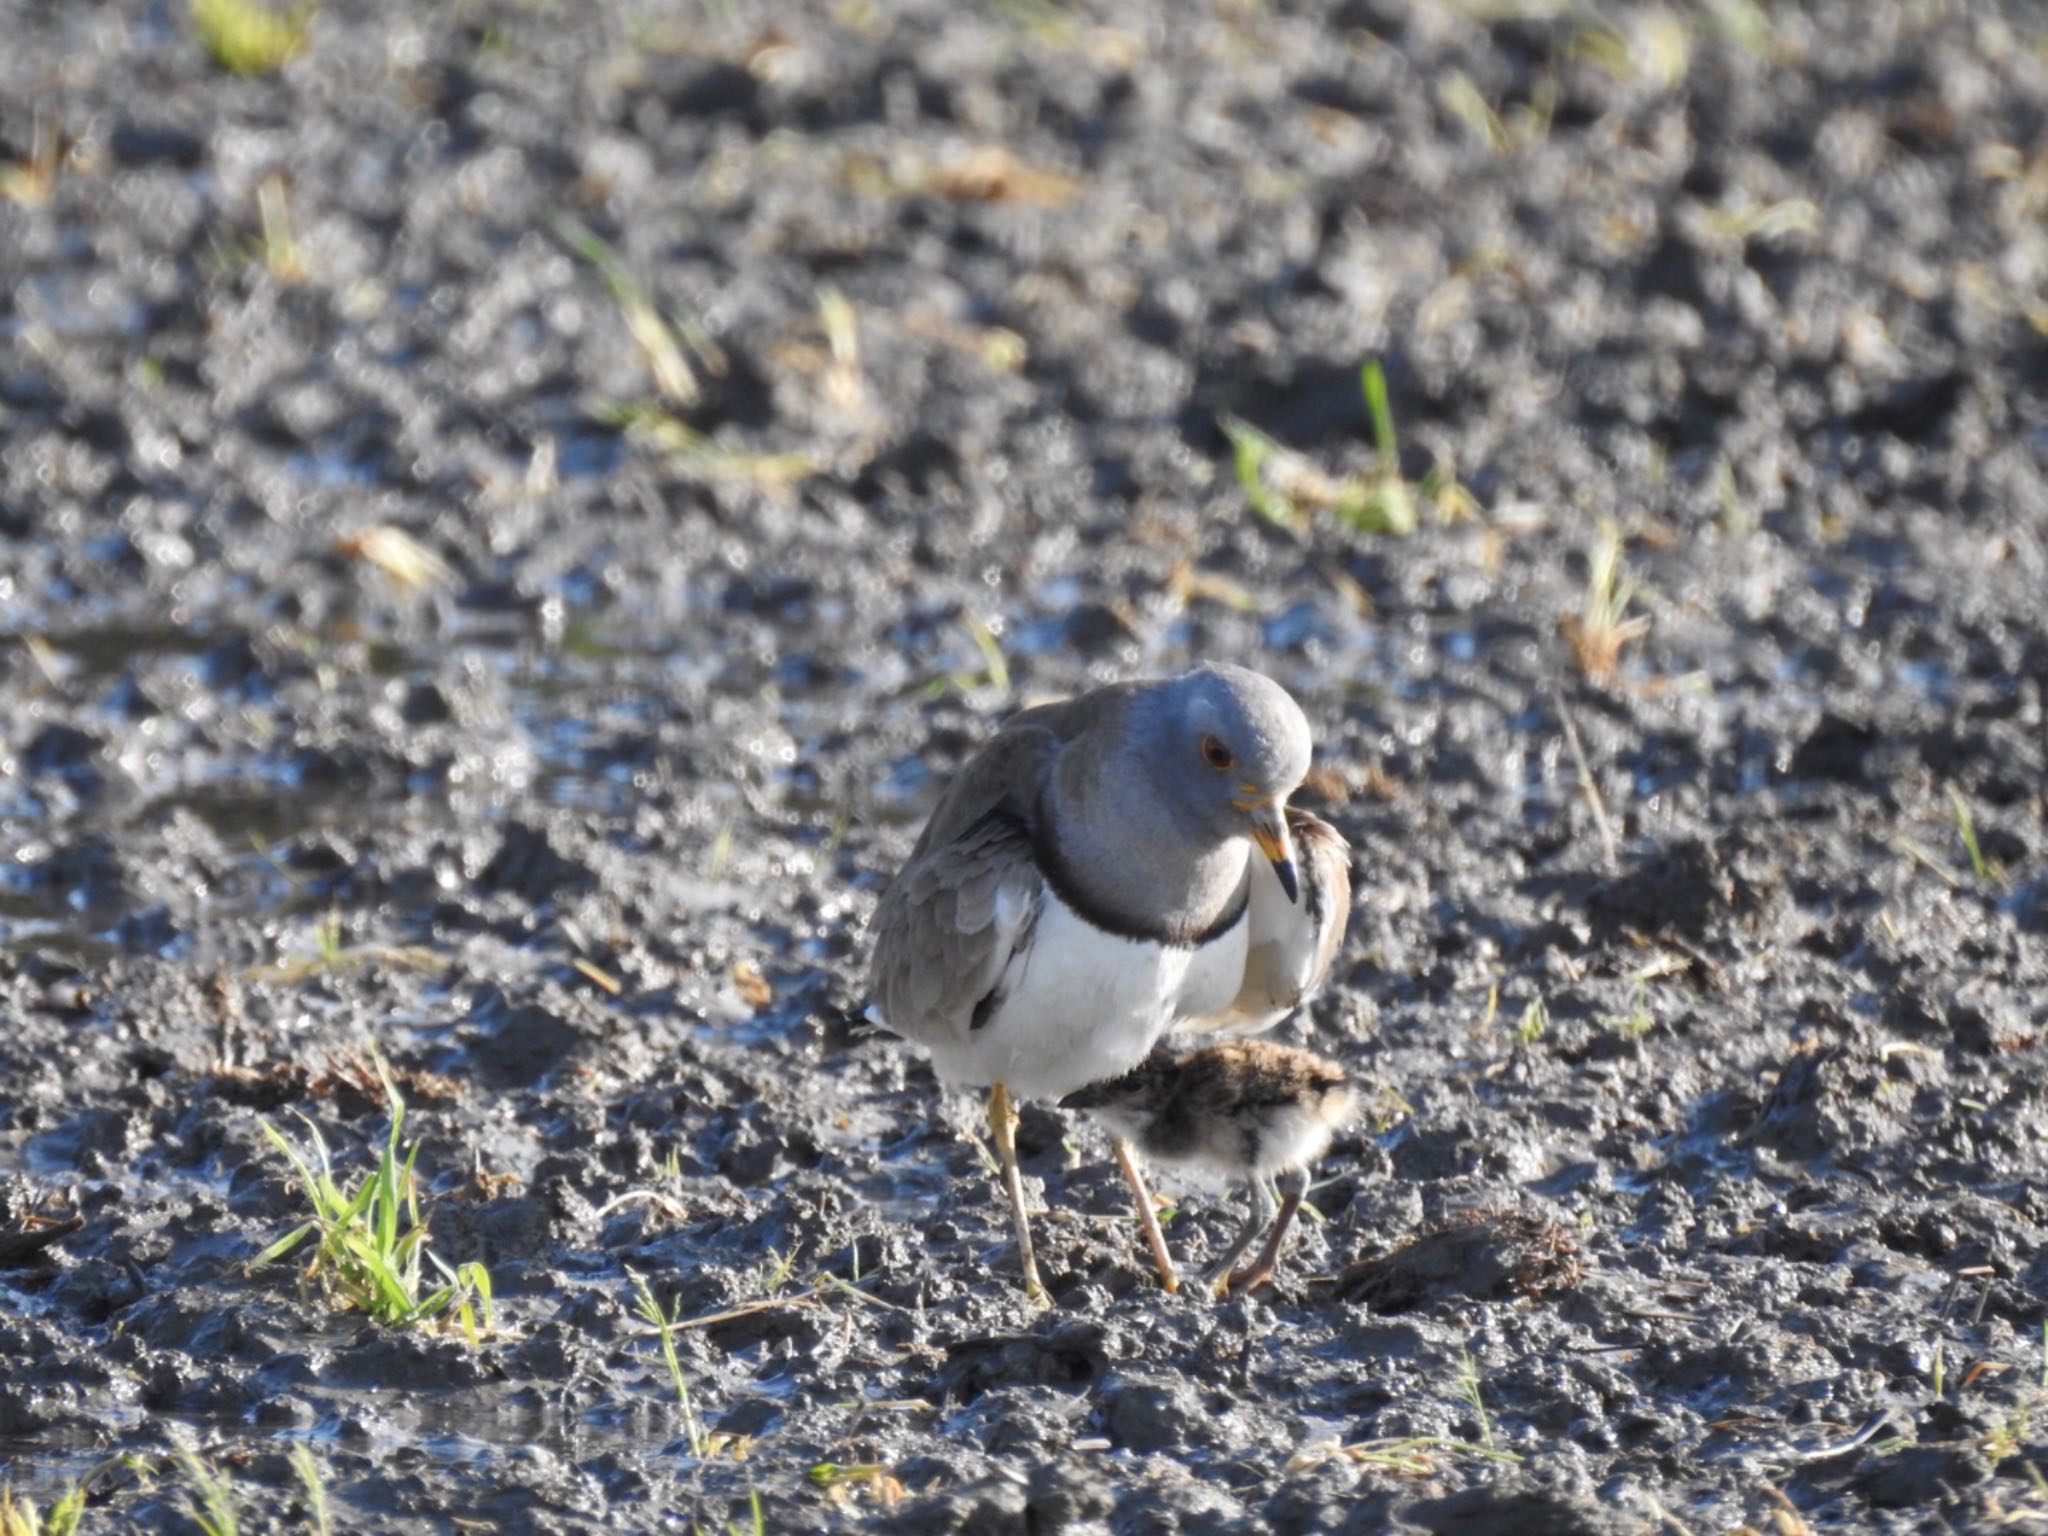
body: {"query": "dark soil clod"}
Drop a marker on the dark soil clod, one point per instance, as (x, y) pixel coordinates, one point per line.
(1488, 1255)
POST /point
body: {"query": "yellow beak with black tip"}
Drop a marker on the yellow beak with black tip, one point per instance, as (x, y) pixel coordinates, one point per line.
(1269, 831)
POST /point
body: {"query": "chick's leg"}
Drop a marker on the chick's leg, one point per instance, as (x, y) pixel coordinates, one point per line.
(1217, 1275)
(1293, 1188)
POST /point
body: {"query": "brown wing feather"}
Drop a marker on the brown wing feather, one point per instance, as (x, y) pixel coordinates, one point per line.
(1326, 863)
(1293, 945)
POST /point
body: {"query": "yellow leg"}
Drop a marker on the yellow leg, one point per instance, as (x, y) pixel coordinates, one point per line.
(1002, 1123)
(1148, 1217)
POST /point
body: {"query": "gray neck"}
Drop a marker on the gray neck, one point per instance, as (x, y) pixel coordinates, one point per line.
(1123, 860)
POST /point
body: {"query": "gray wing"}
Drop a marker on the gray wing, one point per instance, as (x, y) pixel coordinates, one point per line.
(1292, 946)
(1011, 767)
(971, 890)
(947, 927)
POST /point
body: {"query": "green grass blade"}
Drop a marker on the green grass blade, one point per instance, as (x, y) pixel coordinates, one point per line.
(67, 1514)
(348, 1210)
(480, 1281)
(1250, 449)
(1374, 380)
(291, 1153)
(212, 1504)
(284, 1245)
(308, 1468)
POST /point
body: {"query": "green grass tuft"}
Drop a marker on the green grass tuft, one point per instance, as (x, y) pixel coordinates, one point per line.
(370, 1247)
(19, 1517)
(1989, 870)
(66, 1517)
(307, 1466)
(1603, 626)
(1285, 488)
(1639, 1020)
(250, 37)
(213, 1507)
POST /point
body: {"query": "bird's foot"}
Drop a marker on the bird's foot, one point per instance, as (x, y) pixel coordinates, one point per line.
(1244, 1281)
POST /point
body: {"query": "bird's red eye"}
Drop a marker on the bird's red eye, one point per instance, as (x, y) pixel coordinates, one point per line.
(1217, 755)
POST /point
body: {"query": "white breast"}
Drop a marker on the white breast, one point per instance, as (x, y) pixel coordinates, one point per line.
(1080, 1005)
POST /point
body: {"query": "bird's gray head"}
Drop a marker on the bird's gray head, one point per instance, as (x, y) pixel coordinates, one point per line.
(1226, 747)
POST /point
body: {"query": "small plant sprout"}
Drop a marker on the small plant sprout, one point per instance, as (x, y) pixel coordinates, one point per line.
(665, 1326)
(840, 1479)
(1602, 627)
(1388, 1109)
(2010, 1438)
(281, 258)
(777, 1268)
(66, 1517)
(1468, 1384)
(1638, 1021)
(20, 1517)
(696, 456)
(843, 386)
(1988, 870)
(409, 565)
(252, 37)
(369, 1246)
(331, 956)
(1457, 95)
(29, 183)
(1655, 49)
(212, 1502)
(1534, 1021)
(307, 1466)
(1406, 1456)
(1253, 449)
(994, 668)
(1389, 503)
(1737, 516)
(757, 1518)
(1284, 488)
(674, 379)
(1743, 218)
(994, 671)
(327, 940)
(723, 841)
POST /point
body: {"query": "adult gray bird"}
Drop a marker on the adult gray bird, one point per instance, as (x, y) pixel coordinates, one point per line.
(1102, 871)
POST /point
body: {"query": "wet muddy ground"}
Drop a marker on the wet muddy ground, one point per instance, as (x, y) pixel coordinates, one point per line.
(507, 520)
